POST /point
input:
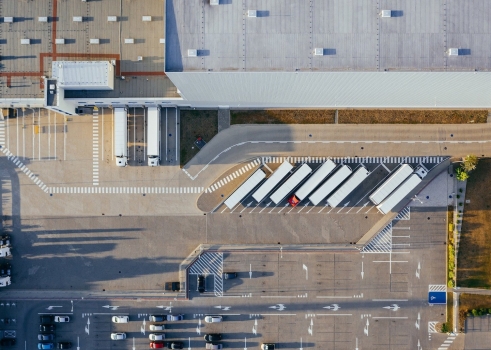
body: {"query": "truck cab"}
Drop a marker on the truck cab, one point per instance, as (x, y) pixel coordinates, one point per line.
(121, 161)
(153, 161)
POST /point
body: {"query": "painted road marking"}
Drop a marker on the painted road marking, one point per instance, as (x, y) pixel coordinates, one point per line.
(210, 264)
(95, 147)
(247, 167)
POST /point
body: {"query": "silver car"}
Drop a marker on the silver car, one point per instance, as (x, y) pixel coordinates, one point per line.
(156, 336)
(214, 346)
(118, 336)
(213, 319)
(120, 319)
(157, 327)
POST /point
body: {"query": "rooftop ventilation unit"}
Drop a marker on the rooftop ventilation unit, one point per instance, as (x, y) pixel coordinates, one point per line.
(453, 52)
(129, 41)
(192, 53)
(214, 2)
(94, 41)
(59, 41)
(386, 13)
(42, 19)
(112, 18)
(318, 51)
(162, 40)
(147, 18)
(25, 41)
(8, 19)
(251, 13)
(139, 58)
(77, 18)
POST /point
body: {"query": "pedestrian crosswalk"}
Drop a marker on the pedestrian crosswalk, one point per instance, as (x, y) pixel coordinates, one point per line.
(127, 190)
(243, 170)
(446, 344)
(2, 130)
(404, 214)
(95, 147)
(26, 171)
(365, 160)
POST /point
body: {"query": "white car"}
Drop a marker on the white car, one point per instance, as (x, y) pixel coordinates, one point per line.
(179, 317)
(5, 251)
(159, 336)
(62, 319)
(118, 336)
(5, 281)
(213, 319)
(157, 327)
(121, 319)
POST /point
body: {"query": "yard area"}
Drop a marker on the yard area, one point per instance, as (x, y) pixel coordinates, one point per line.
(474, 304)
(356, 116)
(474, 259)
(195, 124)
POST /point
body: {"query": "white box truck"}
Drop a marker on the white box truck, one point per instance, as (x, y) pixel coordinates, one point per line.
(349, 186)
(291, 183)
(319, 175)
(153, 136)
(391, 184)
(121, 136)
(272, 181)
(330, 185)
(402, 191)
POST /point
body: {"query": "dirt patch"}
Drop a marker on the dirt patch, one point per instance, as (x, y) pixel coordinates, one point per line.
(196, 123)
(390, 116)
(474, 259)
(473, 304)
(314, 116)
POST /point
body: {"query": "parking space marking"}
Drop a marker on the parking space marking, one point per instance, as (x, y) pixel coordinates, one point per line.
(95, 147)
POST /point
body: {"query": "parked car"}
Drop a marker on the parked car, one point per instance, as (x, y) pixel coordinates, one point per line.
(5, 281)
(46, 318)
(118, 336)
(44, 346)
(267, 346)
(5, 270)
(46, 337)
(201, 283)
(213, 337)
(175, 345)
(156, 336)
(5, 240)
(173, 318)
(172, 286)
(157, 318)
(7, 342)
(5, 251)
(121, 319)
(229, 275)
(213, 319)
(62, 319)
(64, 345)
(157, 327)
(46, 328)
(156, 345)
(214, 346)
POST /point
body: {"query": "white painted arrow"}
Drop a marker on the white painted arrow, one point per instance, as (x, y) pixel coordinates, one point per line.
(134, 343)
(362, 273)
(245, 343)
(111, 307)
(333, 307)
(224, 308)
(365, 329)
(279, 307)
(393, 307)
(418, 270)
(311, 327)
(301, 344)
(78, 343)
(72, 305)
(250, 271)
(418, 321)
(419, 345)
(305, 268)
(189, 346)
(52, 307)
(281, 252)
(87, 327)
(198, 328)
(167, 308)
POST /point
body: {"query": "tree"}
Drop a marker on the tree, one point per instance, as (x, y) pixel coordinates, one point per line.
(469, 162)
(462, 175)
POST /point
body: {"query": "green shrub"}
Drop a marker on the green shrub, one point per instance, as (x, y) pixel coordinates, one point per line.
(461, 190)
(451, 283)
(474, 312)
(445, 328)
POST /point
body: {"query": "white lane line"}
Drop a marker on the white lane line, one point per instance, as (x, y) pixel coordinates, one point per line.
(278, 314)
(334, 314)
(389, 299)
(399, 318)
(278, 296)
(333, 297)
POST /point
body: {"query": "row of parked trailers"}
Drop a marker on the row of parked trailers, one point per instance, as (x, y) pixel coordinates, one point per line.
(339, 185)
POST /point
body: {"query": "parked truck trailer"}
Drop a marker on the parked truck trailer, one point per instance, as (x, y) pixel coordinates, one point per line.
(290, 184)
(397, 178)
(330, 185)
(349, 186)
(272, 181)
(121, 136)
(153, 136)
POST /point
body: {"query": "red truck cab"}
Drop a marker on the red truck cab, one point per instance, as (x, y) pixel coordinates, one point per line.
(293, 200)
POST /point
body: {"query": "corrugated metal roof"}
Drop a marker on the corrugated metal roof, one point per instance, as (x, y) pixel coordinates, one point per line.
(336, 89)
(84, 74)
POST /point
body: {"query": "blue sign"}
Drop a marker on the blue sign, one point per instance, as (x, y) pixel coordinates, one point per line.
(437, 297)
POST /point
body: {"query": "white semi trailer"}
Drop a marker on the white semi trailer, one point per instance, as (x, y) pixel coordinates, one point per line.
(330, 185)
(153, 136)
(272, 181)
(391, 184)
(121, 136)
(353, 182)
(290, 184)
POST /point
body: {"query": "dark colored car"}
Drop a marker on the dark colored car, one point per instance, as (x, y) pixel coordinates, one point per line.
(175, 345)
(46, 337)
(5, 270)
(267, 346)
(173, 286)
(7, 342)
(45, 328)
(229, 275)
(157, 318)
(201, 283)
(5, 240)
(213, 337)
(64, 345)
(46, 318)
